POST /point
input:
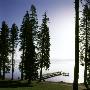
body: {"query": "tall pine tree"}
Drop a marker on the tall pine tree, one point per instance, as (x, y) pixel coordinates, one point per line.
(44, 45)
(0, 54)
(23, 44)
(28, 64)
(85, 42)
(13, 44)
(76, 68)
(34, 27)
(5, 48)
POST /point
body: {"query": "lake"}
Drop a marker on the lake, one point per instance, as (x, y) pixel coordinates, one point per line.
(65, 66)
(59, 65)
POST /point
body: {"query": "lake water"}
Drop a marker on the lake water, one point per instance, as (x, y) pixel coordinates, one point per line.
(59, 65)
(65, 66)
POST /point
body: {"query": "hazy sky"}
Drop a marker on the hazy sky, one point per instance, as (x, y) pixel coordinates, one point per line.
(61, 14)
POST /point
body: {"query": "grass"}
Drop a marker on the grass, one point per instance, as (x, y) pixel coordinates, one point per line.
(44, 86)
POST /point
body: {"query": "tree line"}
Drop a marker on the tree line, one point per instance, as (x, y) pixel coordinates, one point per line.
(34, 43)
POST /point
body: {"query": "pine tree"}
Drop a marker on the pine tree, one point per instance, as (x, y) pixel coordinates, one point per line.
(87, 2)
(76, 68)
(13, 44)
(85, 41)
(34, 27)
(23, 44)
(34, 23)
(0, 55)
(31, 63)
(28, 64)
(44, 44)
(5, 48)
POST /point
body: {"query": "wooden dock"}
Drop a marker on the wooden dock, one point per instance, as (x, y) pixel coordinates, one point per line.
(54, 74)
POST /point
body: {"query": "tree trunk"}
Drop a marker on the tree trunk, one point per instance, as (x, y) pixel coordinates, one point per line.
(29, 81)
(76, 68)
(85, 74)
(0, 70)
(41, 73)
(12, 66)
(12, 62)
(22, 72)
(86, 46)
(3, 70)
(22, 65)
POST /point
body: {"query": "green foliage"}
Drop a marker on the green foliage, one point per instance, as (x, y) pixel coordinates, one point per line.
(34, 23)
(13, 44)
(28, 37)
(44, 42)
(85, 42)
(34, 30)
(14, 36)
(34, 45)
(22, 36)
(44, 45)
(5, 48)
(84, 33)
(0, 55)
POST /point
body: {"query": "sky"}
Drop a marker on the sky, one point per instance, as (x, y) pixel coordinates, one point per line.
(61, 24)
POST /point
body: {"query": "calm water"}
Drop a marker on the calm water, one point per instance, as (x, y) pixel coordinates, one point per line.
(65, 66)
(59, 65)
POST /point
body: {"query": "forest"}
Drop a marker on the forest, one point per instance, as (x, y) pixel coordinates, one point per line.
(33, 41)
